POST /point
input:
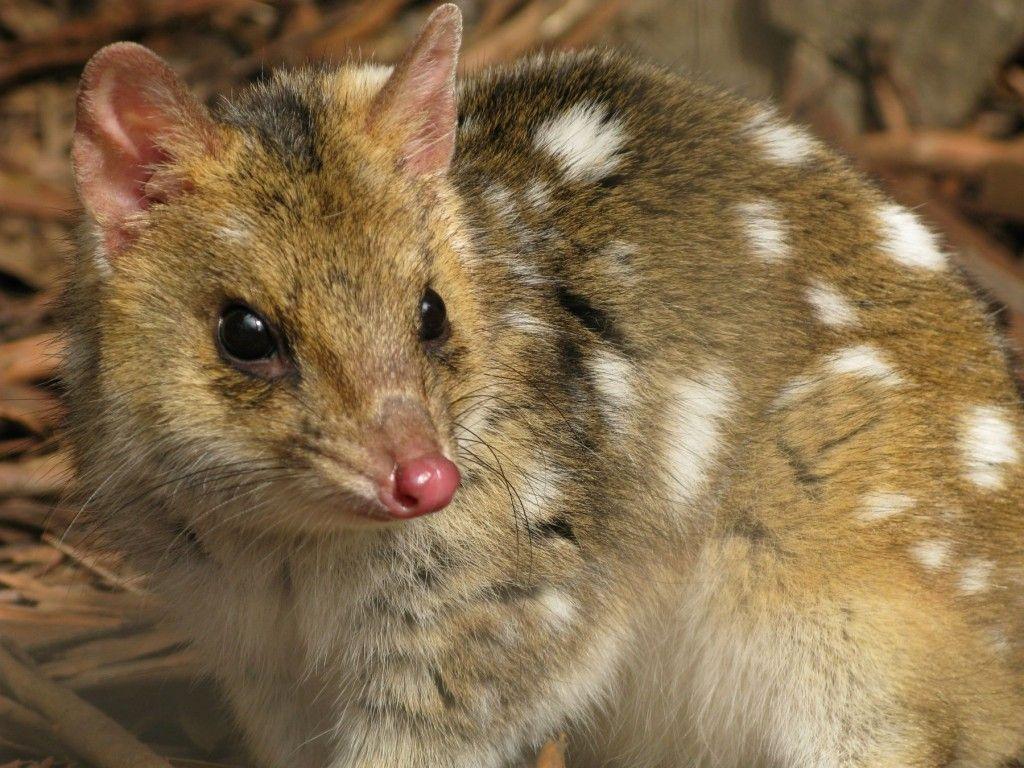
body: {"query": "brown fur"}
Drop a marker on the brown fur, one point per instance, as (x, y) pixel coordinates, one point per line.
(747, 615)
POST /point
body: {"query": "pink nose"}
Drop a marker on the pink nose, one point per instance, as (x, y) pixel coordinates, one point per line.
(421, 485)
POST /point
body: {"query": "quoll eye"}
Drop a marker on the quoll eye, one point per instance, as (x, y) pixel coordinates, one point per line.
(433, 317)
(245, 336)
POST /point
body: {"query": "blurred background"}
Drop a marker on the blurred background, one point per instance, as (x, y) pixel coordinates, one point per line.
(927, 96)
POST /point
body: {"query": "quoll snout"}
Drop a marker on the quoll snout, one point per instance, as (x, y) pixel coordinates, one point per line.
(420, 486)
(411, 472)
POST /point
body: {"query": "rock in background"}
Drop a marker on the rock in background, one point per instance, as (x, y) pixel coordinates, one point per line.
(941, 52)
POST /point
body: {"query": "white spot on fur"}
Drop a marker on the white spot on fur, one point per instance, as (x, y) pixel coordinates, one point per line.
(511, 634)
(521, 320)
(621, 252)
(461, 245)
(370, 78)
(830, 306)
(584, 139)
(998, 640)
(908, 241)
(933, 554)
(617, 261)
(880, 505)
(763, 226)
(538, 490)
(559, 610)
(538, 194)
(864, 360)
(476, 418)
(974, 578)
(754, 695)
(613, 377)
(950, 514)
(696, 412)
(796, 389)
(988, 444)
(781, 142)
(101, 259)
(236, 233)
(524, 272)
(499, 198)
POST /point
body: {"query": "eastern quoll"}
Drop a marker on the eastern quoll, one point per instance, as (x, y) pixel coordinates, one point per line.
(723, 455)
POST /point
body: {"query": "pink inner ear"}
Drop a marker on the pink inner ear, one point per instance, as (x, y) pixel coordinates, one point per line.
(131, 125)
(420, 95)
(128, 104)
(432, 107)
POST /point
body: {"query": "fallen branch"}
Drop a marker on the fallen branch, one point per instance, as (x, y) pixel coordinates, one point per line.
(22, 724)
(90, 563)
(33, 408)
(73, 43)
(362, 21)
(45, 649)
(21, 316)
(513, 38)
(328, 38)
(78, 725)
(542, 24)
(30, 513)
(936, 151)
(181, 667)
(14, 66)
(591, 24)
(25, 195)
(94, 656)
(491, 15)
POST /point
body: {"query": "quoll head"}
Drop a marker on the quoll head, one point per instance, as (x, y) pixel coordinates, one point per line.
(277, 286)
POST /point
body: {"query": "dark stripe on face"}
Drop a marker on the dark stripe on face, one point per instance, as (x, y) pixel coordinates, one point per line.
(593, 318)
(284, 121)
(443, 691)
(510, 592)
(576, 385)
(556, 527)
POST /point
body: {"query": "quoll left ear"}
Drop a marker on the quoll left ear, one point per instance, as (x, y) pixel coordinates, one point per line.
(418, 100)
(133, 115)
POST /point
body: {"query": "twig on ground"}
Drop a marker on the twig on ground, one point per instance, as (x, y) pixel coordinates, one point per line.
(30, 359)
(82, 728)
(19, 723)
(553, 754)
(326, 39)
(73, 43)
(47, 475)
(24, 194)
(90, 563)
(944, 151)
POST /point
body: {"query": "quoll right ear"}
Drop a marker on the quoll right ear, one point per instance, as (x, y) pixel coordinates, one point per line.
(418, 101)
(134, 118)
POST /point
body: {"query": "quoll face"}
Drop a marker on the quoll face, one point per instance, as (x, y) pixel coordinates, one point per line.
(304, 300)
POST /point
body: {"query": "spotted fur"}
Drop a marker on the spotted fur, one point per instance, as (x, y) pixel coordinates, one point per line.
(742, 481)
